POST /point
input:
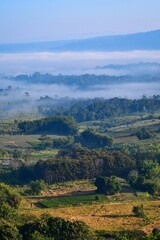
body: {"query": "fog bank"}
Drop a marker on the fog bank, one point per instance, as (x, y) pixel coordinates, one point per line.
(71, 62)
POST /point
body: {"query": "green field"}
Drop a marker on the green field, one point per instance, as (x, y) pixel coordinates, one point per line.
(73, 200)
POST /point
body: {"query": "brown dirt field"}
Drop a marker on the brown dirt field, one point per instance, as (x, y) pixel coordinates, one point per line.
(109, 216)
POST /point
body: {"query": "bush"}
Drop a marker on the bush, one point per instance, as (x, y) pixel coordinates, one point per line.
(138, 211)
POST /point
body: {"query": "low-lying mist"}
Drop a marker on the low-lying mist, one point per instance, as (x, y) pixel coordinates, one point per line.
(20, 96)
(71, 62)
(25, 91)
(21, 99)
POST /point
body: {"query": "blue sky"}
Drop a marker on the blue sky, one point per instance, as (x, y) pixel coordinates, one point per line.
(44, 20)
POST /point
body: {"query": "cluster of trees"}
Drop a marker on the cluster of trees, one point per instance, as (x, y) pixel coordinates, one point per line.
(133, 163)
(81, 163)
(143, 134)
(108, 185)
(36, 187)
(130, 235)
(88, 138)
(50, 143)
(147, 178)
(9, 197)
(147, 175)
(142, 152)
(91, 139)
(99, 109)
(57, 125)
(48, 228)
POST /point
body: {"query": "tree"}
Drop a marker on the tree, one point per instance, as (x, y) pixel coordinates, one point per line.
(37, 236)
(9, 232)
(50, 228)
(8, 196)
(37, 186)
(60, 229)
(143, 134)
(108, 186)
(80, 231)
(8, 213)
(17, 154)
(113, 185)
(100, 183)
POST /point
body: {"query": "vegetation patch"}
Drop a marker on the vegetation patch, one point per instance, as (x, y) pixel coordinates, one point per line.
(73, 200)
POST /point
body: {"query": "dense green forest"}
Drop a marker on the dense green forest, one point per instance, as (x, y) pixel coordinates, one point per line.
(56, 125)
(83, 164)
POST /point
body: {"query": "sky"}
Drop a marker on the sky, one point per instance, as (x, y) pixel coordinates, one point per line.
(47, 20)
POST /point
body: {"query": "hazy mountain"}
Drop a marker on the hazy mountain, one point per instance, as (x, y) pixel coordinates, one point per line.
(134, 68)
(130, 65)
(137, 41)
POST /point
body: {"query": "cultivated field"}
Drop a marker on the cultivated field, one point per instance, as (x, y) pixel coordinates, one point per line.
(76, 201)
(111, 216)
(73, 200)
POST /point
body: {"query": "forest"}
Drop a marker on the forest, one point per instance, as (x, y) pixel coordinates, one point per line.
(85, 80)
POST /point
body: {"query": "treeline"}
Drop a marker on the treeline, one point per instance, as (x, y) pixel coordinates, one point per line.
(83, 81)
(99, 109)
(84, 164)
(52, 125)
(141, 167)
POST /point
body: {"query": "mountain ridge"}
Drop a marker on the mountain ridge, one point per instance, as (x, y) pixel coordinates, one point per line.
(128, 42)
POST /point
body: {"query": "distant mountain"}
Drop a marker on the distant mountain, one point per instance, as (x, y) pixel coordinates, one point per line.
(130, 66)
(133, 68)
(137, 41)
